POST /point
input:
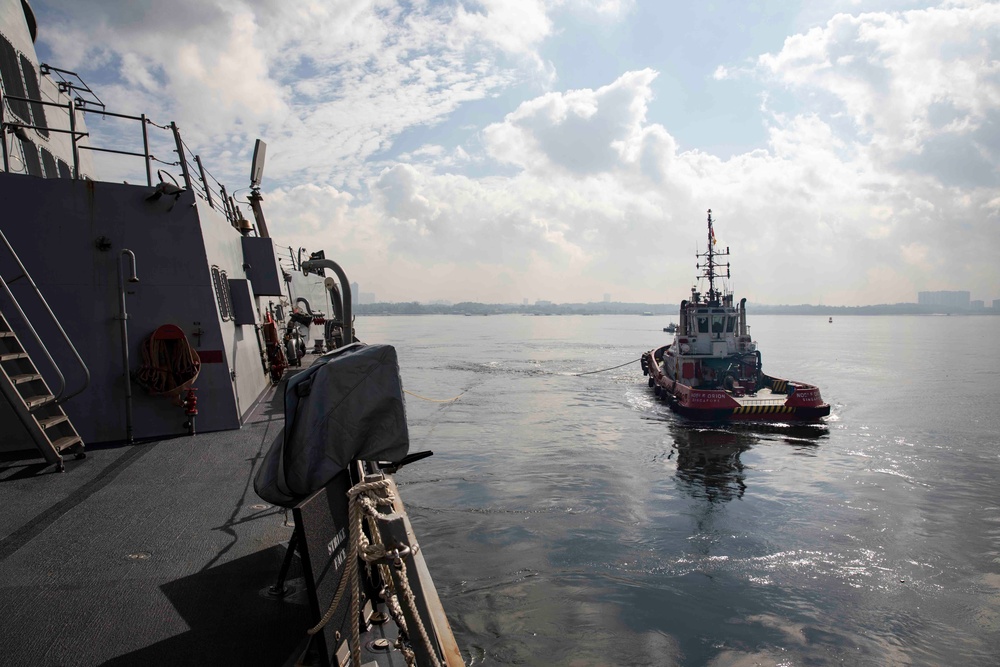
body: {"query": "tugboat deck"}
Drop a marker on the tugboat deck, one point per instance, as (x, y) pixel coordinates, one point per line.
(158, 553)
(763, 397)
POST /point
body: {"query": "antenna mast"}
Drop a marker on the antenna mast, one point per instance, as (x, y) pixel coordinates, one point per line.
(711, 265)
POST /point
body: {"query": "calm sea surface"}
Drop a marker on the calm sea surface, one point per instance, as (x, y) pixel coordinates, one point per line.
(576, 521)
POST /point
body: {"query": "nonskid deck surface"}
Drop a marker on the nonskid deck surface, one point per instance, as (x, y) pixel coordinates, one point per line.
(151, 554)
(763, 397)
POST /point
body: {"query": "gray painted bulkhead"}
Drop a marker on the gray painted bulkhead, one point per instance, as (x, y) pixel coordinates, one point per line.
(54, 226)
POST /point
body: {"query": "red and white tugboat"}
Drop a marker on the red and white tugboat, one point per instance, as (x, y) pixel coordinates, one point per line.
(712, 369)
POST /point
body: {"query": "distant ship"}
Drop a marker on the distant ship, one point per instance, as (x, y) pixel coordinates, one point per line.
(712, 369)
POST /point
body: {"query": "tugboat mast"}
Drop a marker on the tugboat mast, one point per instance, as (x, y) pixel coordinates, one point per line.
(710, 266)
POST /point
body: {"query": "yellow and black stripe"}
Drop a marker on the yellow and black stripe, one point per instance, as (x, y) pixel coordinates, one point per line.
(779, 386)
(763, 410)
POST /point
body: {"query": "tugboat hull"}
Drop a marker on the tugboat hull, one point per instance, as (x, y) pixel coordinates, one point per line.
(777, 400)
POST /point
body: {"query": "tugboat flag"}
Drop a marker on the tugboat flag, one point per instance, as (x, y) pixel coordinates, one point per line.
(713, 235)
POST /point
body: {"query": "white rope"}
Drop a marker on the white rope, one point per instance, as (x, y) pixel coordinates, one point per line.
(433, 400)
(606, 369)
(412, 604)
(360, 505)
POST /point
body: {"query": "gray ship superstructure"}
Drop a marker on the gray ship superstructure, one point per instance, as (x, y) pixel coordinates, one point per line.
(147, 330)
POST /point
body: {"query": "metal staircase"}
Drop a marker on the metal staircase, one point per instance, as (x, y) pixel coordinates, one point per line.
(34, 403)
(35, 410)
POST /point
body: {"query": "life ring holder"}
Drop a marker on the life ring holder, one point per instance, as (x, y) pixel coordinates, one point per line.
(169, 364)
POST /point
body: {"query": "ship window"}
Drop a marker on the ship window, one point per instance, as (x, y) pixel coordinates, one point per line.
(730, 324)
(31, 85)
(31, 161)
(64, 171)
(702, 324)
(10, 75)
(49, 163)
(717, 323)
(221, 284)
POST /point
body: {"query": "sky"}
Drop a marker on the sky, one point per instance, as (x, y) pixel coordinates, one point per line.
(561, 150)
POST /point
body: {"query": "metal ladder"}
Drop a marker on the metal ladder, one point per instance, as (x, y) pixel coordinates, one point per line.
(36, 407)
(34, 403)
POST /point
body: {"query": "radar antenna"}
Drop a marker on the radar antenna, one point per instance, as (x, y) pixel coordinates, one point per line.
(256, 174)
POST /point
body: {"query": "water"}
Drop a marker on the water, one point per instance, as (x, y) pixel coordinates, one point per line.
(576, 521)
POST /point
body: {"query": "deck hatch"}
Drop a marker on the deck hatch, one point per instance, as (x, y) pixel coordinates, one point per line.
(241, 301)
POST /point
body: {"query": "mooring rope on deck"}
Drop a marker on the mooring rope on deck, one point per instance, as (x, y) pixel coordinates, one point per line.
(363, 501)
(607, 369)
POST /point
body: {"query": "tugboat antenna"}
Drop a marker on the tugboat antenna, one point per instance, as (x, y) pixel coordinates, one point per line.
(714, 295)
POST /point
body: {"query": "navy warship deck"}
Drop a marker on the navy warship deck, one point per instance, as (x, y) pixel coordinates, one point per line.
(158, 553)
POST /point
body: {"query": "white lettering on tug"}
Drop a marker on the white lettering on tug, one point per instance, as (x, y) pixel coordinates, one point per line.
(707, 398)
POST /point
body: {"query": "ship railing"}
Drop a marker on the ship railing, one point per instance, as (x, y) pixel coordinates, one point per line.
(203, 183)
(196, 178)
(5, 284)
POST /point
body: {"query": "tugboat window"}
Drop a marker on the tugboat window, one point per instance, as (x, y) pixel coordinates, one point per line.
(703, 324)
(730, 324)
(717, 323)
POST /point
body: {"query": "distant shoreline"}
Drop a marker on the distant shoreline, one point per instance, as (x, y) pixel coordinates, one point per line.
(654, 310)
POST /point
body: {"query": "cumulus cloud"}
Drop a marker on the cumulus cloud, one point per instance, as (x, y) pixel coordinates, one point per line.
(913, 81)
(838, 212)
(879, 175)
(349, 77)
(581, 131)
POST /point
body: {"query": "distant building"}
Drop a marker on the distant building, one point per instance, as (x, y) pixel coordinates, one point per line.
(542, 302)
(525, 302)
(950, 299)
(977, 305)
(355, 293)
(607, 298)
(996, 304)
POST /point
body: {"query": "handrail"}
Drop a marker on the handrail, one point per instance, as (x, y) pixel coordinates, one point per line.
(123, 317)
(196, 177)
(62, 380)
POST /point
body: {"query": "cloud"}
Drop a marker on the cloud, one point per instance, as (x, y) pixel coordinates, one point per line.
(907, 79)
(604, 192)
(879, 176)
(349, 77)
(577, 132)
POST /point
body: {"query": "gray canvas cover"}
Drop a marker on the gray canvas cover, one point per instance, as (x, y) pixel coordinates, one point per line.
(348, 405)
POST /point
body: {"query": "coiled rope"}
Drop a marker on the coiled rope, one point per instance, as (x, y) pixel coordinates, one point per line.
(362, 504)
(607, 369)
(169, 363)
